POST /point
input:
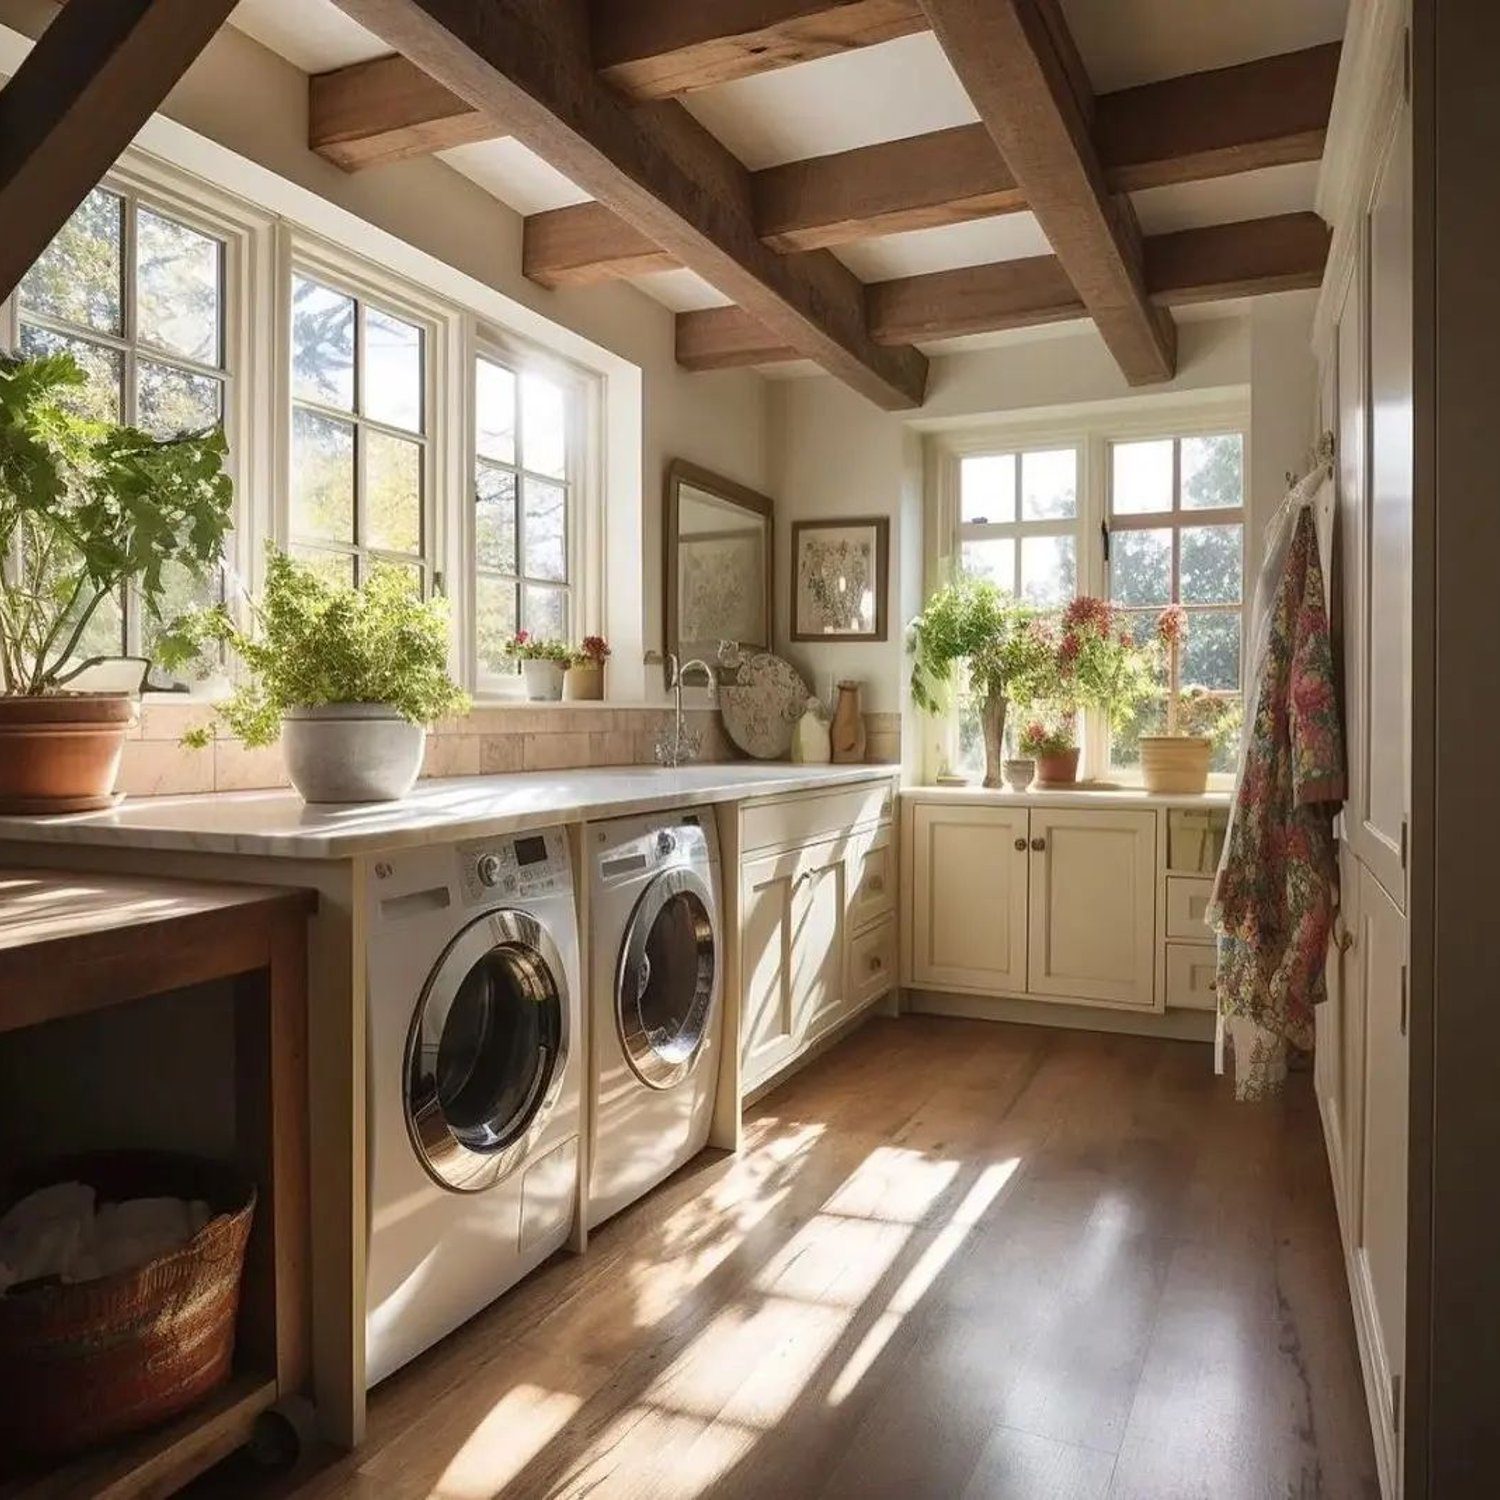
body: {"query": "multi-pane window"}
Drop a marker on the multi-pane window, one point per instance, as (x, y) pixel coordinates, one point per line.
(523, 487)
(359, 461)
(1176, 535)
(136, 295)
(1018, 522)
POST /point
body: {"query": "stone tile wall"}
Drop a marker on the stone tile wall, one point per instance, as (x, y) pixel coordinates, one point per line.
(489, 739)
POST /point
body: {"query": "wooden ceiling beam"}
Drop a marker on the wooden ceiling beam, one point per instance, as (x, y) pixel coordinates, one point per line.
(1259, 114)
(659, 49)
(526, 62)
(1029, 97)
(93, 78)
(1282, 253)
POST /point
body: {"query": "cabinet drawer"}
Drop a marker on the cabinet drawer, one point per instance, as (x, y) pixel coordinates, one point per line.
(1187, 900)
(804, 816)
(872, 964)
(1190, 976)
(872, 878)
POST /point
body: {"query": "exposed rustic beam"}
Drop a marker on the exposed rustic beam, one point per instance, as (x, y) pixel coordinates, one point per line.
(1006, 54)
(520, 61)
(1258, 114)
(1251, 258)
(585, 243)
(656, 49)
(387, 110)
(93, 78)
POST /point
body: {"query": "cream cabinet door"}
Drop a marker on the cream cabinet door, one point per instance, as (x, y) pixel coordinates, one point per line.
(968, 897)
(1093, 906)
(1384, 735)
(1381, 946)
(819, 902)
(768, 1020)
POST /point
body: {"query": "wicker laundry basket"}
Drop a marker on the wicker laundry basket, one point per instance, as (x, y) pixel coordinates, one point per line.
(89, 1361)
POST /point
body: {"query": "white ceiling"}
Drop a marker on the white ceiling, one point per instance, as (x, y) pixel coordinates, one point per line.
(888, 92)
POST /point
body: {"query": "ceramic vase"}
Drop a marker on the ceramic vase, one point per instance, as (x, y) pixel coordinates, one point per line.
(992, 723)
(543, 679)
(848, 729)
(1020, 771)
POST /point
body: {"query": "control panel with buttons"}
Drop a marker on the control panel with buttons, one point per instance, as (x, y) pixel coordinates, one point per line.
(522, 865)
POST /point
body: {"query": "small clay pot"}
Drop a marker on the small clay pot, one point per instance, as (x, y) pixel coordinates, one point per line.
(1060, 768)
(61, 753)
(583, 682)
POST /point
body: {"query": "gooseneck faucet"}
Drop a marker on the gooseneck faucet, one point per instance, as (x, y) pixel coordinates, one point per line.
(679, 743)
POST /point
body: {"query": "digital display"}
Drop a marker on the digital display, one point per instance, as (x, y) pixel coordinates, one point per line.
(531, 851)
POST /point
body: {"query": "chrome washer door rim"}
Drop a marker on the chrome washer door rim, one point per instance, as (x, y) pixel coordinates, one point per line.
(654, 1070)
(447, 1159)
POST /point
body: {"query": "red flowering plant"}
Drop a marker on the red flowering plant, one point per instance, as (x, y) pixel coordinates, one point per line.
(1044, 736)
(593, 652)
(1099, 663)
(524, 646)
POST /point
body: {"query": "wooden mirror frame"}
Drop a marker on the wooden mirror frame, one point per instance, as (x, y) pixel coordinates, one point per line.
(680, 472)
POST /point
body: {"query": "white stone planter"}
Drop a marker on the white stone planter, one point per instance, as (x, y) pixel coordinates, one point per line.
(351, 752)
(543, 679)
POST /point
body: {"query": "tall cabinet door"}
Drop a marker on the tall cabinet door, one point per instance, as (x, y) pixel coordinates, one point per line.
(1093, 905)
(818, 907)
(1382, 1240)
(1379, 830)
(768, 1022)
(968, 901)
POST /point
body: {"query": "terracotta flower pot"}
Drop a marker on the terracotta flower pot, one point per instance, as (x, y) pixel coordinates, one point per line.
(1060, 768)
(61, 753)
(583, 682)
(1175, 762)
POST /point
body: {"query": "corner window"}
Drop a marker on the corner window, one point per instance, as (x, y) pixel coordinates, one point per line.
(359, 435)
(1176, 535)
(137, 296)
(526, 434)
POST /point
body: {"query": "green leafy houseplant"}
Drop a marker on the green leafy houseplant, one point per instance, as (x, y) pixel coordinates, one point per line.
(523, 646)
(318, 643)
(85, 507)
(1004, 646)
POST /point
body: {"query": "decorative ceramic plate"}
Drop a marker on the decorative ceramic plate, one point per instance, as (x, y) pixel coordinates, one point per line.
(762, 705)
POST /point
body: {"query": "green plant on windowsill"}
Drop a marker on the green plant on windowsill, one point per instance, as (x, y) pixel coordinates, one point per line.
(316, 643)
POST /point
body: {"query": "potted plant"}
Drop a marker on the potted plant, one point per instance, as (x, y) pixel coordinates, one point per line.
(85, 508)
(1177, 761)
(542, 661)
(1002, 644)
(584, 679)
(1098, 664)
(347, 678)
(1052, 743)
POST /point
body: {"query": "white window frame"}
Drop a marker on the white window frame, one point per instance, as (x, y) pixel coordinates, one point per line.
(582, 520)
(143, 180)
(1091, 430)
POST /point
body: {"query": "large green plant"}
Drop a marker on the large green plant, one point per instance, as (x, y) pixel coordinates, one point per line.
(85, 507)
(971, 622)
(317, 642)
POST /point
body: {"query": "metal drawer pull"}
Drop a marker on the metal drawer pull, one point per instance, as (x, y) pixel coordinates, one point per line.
(1020, 846)
(875, 962)
(1038, 845)
(875, 883)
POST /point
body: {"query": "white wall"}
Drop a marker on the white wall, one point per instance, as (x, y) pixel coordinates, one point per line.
(246, 98)
(833, 454)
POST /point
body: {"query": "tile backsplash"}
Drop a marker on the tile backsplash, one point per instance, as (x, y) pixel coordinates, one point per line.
(489, 739)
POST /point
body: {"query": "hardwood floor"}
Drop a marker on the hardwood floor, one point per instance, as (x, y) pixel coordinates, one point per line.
(956, 1259)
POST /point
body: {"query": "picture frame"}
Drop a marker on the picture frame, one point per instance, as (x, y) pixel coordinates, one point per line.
(840, 579)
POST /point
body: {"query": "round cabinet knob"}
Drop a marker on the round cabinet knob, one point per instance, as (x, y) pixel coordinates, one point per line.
(1020, 846)
(1038, 845)
(666, 842)
(488, 869)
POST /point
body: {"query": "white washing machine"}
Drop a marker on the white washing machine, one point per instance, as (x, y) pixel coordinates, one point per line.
(475, 1086)
(655, 1000)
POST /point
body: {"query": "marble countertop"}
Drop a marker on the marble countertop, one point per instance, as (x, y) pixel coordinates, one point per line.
(280, 824)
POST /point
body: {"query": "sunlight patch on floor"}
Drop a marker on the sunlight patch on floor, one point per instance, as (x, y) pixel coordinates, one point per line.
(492, 1456)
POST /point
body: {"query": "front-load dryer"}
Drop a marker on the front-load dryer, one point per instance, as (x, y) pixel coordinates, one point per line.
(474, 1090)
(655, 986)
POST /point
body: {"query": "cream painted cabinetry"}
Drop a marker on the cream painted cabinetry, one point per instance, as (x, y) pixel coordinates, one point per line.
(1046, 903)
(814, 903)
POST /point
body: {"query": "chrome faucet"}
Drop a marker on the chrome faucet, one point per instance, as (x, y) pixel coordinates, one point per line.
(677, 743)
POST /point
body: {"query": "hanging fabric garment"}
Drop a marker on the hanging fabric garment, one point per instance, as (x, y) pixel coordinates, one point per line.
(1275, 893)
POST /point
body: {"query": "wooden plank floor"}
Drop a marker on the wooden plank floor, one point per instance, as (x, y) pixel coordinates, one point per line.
(956, 1259)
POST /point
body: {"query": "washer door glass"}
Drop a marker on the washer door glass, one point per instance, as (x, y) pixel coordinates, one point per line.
(665, 988)
(486, 1050)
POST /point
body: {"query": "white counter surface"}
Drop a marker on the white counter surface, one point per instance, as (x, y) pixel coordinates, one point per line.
(279, 823)
(1085, 794)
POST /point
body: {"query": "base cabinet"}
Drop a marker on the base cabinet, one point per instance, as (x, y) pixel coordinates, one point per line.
(769, 1001)
(1041, 903)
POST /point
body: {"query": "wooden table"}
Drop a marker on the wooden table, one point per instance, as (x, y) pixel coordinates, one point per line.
(73, 943)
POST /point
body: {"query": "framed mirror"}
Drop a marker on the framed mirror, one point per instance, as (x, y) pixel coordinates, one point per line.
(717, 568)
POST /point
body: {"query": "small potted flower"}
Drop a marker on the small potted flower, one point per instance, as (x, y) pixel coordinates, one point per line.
(1051, 741)
(584, 680)
(542, 662)
(1178, 761)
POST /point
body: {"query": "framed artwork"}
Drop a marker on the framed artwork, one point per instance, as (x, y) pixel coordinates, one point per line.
(840, 572)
